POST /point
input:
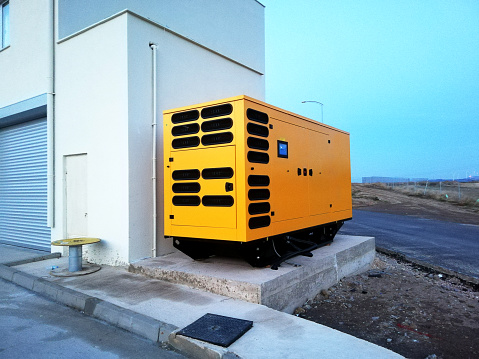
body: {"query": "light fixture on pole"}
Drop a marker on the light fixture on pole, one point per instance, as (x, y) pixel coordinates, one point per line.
(321, 108)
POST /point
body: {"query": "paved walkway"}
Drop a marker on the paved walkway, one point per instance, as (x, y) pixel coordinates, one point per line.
(157, 310)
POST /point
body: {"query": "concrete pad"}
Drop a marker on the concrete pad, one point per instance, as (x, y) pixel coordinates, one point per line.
(274, 334)
(296, 281)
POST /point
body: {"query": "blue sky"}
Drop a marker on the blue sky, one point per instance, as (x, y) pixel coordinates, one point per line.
(401, 76)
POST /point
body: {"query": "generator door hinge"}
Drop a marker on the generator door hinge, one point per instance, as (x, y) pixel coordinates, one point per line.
(172, 216)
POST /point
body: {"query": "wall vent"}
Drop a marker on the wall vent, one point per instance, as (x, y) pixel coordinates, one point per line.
(186, 116)
(186, 200)
(217, 111)
(257, 116)
(257, 130)
(217, 125)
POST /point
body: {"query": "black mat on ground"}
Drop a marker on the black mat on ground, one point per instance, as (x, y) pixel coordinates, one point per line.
(217, 329)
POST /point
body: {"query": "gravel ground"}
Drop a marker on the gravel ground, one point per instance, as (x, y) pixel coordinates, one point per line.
(378, 198)
(396, 305)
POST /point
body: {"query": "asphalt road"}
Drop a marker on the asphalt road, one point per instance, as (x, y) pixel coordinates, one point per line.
(451, 245)
(34, 327)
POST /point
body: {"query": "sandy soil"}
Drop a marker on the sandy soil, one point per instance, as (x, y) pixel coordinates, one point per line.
(414, 313)
(401, 307)
(381, 199)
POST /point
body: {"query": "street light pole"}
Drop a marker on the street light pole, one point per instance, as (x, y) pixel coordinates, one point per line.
(321, 108)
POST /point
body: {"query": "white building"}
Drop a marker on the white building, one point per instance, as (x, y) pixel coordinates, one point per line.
(77, 105)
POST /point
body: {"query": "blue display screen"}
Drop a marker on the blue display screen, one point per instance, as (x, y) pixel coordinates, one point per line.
(283, 149)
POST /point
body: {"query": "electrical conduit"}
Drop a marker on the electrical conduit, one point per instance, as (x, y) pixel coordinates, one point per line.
(154, 48)
(51, 117)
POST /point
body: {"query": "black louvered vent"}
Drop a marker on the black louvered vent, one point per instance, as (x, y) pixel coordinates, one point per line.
(217, 173)
(257, 130)
(258, 180)
(186, 116)
(217, 139)
(186, 200)
(191, 187)
(186, 175)
(259, 208)
(217, 125)
(258, 157)
(257, 116)
(186, 142)
(217, 111)
(258, 143)
(259, 222)
(218, 201)
(259, 194)
(183, 130)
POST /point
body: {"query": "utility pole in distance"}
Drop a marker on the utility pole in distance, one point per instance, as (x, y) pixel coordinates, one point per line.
(321, 108)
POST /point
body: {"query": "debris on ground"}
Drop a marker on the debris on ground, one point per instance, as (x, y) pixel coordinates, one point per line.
(416, 313)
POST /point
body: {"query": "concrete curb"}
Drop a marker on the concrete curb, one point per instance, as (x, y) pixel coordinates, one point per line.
(34, 259)
(469, 280)
(139, 324)
(199, 349)
(129, 320)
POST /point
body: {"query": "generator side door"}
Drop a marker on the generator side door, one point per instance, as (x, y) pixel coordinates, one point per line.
(288, 170)
(203, 187)
(321, 186)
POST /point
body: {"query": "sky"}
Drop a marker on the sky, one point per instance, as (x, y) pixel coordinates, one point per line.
(402, 77)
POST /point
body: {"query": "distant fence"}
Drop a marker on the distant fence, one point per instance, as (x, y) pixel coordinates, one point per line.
(391, 179)
(376, 179)
(467, 192)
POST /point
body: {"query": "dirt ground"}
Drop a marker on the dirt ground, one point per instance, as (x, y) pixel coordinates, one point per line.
(378, 198)
(412, 311)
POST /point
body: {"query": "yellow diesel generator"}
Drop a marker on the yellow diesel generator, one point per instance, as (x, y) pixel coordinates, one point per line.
(246, 178)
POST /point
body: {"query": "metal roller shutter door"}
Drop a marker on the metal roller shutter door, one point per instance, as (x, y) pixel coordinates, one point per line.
(23, 185)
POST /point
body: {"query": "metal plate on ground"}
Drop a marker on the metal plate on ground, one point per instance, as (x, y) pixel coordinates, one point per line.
(217, 329)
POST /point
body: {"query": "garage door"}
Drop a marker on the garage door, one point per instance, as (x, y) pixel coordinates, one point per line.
(23, 185)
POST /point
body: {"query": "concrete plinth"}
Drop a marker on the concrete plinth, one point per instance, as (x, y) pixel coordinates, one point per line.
(296, 281)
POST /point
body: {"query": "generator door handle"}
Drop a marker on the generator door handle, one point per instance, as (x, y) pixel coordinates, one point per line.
(228, 186)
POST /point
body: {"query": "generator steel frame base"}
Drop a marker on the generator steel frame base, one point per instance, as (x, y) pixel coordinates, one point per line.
(269, 251)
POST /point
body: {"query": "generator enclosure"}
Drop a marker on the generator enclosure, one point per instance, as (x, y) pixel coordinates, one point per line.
(240, 170)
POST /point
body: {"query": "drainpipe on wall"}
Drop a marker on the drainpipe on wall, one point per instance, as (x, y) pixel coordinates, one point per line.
(51, 117)
(154, 48)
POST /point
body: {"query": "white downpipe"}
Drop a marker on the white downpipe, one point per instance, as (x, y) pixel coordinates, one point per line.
(153, 177)
(51, 117)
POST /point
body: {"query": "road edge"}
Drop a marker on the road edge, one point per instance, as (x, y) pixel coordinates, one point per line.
(466, 279)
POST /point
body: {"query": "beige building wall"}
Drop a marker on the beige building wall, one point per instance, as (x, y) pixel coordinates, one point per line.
(24, 64)
(104, 109)
(92, 119)
(100, 127)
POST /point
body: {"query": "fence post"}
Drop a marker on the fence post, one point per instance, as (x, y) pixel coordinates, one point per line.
(425, 188)
(459, 189)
